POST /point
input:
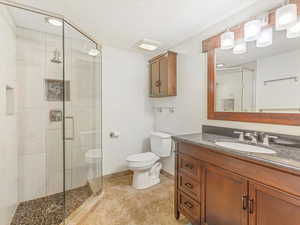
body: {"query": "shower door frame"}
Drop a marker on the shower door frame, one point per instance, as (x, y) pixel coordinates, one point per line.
(98, 47)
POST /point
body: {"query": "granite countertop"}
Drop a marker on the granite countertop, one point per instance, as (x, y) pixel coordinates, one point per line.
(285, 157)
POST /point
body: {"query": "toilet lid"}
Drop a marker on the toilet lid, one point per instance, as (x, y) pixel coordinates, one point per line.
(142, 157)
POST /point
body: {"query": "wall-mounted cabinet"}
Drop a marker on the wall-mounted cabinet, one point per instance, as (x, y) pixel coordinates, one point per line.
(163, 73)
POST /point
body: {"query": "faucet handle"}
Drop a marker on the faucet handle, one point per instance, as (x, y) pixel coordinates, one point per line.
(266, 140)
(253, 136)
(241, 135)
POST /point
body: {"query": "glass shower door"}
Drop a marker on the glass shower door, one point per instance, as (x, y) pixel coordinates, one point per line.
(82, 128)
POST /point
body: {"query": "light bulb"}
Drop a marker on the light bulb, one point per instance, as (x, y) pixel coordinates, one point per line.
(286, 15)
(293, 30)
(240, 47)
(252, 30)
(227, 40)
(265, 38)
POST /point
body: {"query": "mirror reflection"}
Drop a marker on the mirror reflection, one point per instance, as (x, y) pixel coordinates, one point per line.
(255, 78)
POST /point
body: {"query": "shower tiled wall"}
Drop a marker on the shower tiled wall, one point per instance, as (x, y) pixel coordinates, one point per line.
(41, 141)
(8, 122)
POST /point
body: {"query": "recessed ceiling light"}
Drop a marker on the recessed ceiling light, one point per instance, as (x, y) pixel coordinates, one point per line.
(148, 45)
(54, 21)
(94, 52)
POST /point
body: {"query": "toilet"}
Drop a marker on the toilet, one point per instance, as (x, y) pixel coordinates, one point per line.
(145, 166)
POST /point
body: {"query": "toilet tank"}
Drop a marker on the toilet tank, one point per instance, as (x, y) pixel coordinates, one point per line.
(161, 144)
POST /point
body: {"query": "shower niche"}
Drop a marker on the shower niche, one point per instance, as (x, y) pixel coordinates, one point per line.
(57, 90)
(51, 88)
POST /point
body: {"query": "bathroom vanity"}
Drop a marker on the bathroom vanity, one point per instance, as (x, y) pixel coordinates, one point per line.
(222, 186)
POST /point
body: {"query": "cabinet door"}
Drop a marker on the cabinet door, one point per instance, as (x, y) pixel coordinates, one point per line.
(268, 206)
(155, 82)
(163, 76)
(225, 197)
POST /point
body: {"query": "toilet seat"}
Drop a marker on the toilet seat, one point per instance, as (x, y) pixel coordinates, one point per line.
(142, 159)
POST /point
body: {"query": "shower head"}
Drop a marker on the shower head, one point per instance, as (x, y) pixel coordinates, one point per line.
(56, 57)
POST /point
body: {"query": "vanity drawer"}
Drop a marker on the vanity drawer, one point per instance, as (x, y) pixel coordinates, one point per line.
(189, 186)
(190, 166)
(189, 207)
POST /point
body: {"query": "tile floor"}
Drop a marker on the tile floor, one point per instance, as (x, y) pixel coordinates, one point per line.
(120, 204)
(49, 210)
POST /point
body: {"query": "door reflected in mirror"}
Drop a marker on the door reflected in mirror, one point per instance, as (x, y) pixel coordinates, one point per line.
(263, 79)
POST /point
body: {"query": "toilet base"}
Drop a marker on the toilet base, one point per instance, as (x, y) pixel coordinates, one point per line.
(146, 178)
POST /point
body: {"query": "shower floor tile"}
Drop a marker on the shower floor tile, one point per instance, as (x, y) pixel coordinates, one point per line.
(49, 210)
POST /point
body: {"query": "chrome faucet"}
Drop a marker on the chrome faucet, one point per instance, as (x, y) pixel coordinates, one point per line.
(241, 135)
(253, 137)
(266, 138)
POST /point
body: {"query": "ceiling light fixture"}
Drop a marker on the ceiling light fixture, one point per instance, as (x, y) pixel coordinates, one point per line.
(148, 45)
(54, 21)
(293, 31)
(286, 15)
(227, 40)
(240, 47)
(265, 38)
(252, 30)
(94, 52)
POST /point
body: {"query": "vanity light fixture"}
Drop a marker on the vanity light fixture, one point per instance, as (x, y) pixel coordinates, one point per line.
(227, 40)
(240, 47)
(148, 45)
(265, 38)
(252, 30)
(293, 31)
(94, 52)
(285, 15)
(54, 21)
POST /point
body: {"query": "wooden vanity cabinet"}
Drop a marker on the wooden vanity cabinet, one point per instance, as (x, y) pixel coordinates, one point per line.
(268, 206)
(213, 188)
(163, 70)
(225, 197)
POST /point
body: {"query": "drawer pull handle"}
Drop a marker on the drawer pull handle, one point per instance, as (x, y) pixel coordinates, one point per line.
(245, 202)
(189, 205)
(189, 185)
(190, 166)
(251, 206)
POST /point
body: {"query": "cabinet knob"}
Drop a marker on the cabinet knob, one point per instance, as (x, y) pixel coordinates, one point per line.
(245, 202)
(158, 83)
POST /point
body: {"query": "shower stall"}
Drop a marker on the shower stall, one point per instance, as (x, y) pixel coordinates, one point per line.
(50, 117)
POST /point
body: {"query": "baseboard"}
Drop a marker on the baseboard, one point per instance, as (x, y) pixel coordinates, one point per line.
(130, 173)
(118, 174)
(165, 173)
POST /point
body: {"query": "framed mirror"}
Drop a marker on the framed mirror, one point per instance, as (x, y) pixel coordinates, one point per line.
(255, 82)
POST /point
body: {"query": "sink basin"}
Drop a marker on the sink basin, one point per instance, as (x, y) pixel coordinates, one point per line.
(245, 147)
